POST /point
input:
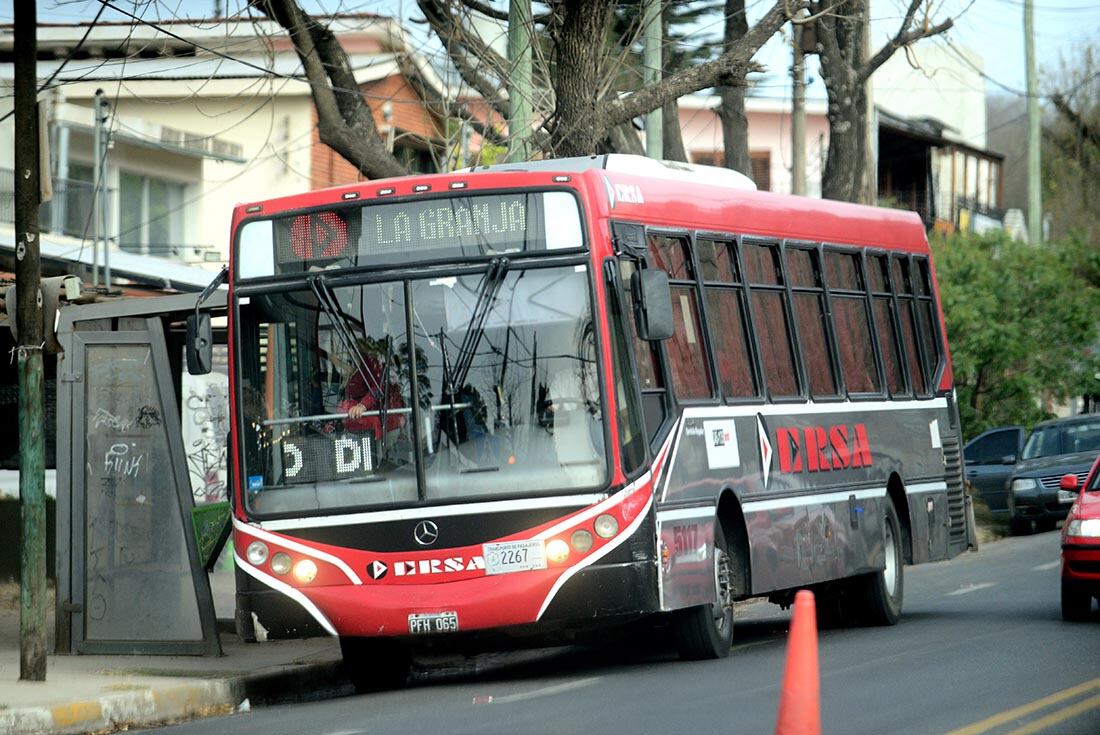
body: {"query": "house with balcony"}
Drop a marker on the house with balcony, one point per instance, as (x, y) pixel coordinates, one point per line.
(195, 116)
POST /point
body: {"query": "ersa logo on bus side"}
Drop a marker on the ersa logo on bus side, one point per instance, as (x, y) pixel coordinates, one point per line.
(629, 193)
(814, 448)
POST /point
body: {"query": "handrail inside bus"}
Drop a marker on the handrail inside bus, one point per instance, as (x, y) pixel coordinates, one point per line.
(332, 416)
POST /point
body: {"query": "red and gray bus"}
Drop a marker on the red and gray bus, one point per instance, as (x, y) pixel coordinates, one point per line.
(534, 399)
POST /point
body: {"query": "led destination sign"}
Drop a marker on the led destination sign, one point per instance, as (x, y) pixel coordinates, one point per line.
(451, 223)
(432, 228)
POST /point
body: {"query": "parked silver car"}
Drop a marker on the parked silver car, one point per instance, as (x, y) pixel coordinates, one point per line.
(1053, 449)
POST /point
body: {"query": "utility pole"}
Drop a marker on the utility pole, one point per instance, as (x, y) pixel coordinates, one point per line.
(99, 179)
(798, 113)
(28, 272)
(869, 188)
(102, 106)
(651, 77)
(1034, 180)
(519, 81)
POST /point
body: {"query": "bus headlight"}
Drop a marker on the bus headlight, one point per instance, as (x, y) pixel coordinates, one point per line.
(557, 551)
(606, 526)
(256, 553)
(305, 571)
(281, 563)
(581, 540)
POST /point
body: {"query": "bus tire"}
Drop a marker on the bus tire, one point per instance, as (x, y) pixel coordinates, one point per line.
(1076, 603)
(375, 664)
(883, 591)
(706, 631)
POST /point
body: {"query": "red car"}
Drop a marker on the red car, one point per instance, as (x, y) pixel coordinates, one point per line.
(1081, 547)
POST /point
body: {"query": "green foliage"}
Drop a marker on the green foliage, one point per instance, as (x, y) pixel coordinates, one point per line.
(1021, 324)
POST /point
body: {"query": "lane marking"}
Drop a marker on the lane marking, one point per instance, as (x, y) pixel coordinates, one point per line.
(1023, 710)
(972, 588)
(1059, 716)
(1047, 566)
(544, 692)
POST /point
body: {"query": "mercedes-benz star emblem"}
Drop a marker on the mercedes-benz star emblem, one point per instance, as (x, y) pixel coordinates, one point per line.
(426, 532)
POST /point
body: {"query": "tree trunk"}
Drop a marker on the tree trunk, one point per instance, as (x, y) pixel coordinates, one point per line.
(673, 149)
(623, 139)
(575, 126)
(844, 165)
(846, 69)
(731, 111)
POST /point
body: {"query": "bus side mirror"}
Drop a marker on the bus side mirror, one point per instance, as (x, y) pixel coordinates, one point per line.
(653, 304)
(200, 344)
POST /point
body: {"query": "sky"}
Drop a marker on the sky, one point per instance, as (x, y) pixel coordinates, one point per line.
(992, 28)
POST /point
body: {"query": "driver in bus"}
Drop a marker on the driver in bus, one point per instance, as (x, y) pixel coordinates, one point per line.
(363, 400)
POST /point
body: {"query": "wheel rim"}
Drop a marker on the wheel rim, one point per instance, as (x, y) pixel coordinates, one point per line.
(722, 586)
(890, 573)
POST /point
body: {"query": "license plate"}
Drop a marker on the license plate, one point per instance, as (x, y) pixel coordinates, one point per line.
(513, 556)
(1066, 496)
(444, 622)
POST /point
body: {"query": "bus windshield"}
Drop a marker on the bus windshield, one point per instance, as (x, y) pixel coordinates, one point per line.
(495, 394)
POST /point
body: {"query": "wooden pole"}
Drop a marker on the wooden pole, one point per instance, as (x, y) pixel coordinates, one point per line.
(28, 272)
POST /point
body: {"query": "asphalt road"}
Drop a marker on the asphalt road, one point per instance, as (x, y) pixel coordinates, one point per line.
(981, 649)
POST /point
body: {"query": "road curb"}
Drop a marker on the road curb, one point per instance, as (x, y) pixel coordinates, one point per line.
(140, 707)
(157, 704)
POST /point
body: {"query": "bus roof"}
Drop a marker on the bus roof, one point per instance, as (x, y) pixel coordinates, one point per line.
(638, 189)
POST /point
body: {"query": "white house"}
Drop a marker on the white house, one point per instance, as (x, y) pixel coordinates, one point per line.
(195, 126)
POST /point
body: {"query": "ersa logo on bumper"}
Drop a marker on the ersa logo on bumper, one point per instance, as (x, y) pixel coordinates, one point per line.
(425, 567)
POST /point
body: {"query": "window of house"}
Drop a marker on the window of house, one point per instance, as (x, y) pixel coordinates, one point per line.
(686, 350)
(808, 299)
(725, 295)
(848, 296)
(771, 317)
(150, 215)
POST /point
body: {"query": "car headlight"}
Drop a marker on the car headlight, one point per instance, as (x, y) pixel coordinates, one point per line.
(1088, 528)
(1024, 483)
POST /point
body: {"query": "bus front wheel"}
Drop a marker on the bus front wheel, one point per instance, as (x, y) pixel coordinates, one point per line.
(706, 631)
(375, 664)
(882, 591)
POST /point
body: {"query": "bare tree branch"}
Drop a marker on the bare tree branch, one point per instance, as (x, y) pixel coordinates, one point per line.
(345, 121)
(491, 12)
(1086, 130)
(728, 69)
(904, 37)
(461, 46)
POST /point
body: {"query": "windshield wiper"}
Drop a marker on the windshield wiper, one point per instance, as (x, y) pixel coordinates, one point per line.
(486, 294)
(328, 303)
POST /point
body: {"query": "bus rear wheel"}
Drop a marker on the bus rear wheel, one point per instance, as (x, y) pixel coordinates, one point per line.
(375, 664)
(706, 631)
(882, 592)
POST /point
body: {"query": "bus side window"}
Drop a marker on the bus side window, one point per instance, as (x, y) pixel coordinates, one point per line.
(687, 357)
(928, 322)
(652, 385)
(725, 294)
(771, 317)
(848, 296)
(885, 324)
(903, 292)
(808, 300)
(628, 413)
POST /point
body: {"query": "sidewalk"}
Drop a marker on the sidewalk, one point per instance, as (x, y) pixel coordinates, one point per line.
(91, 693)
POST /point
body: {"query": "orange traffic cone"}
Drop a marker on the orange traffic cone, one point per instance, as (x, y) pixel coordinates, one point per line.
(800, 697)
